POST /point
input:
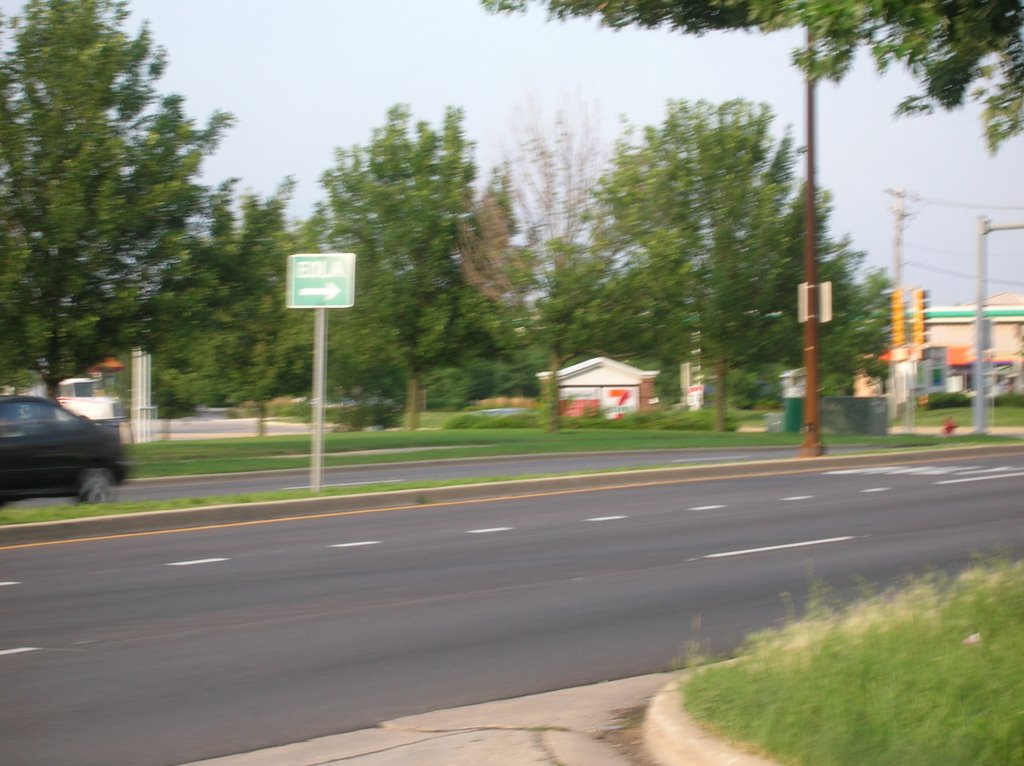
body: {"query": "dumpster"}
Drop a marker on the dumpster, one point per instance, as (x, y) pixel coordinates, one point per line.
(792, 415)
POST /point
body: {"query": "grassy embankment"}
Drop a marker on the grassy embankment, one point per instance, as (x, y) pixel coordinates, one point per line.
(927, 675)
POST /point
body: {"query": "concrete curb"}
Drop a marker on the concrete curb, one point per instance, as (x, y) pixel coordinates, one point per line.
(673, 738)
(155, 521)
(566, 726)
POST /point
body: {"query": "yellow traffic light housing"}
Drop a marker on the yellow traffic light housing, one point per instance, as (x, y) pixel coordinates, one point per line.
(899, 332)
(920, 328)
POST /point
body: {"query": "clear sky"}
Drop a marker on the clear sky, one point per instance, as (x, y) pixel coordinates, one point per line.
(306, 76)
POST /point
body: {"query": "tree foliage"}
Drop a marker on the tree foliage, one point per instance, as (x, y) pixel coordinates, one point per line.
(224, 334)
(97, 184)
(700, 208)
(397, 203)
(530, 247)
(956, 49)
(706, 214)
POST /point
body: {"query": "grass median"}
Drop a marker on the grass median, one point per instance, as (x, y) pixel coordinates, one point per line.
(241, 455)
(926, 675)
(181, 458)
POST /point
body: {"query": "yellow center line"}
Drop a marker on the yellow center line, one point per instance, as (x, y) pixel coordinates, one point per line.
(381, 509)
(470, 501)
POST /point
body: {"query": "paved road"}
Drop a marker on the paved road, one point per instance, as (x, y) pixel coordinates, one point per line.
(166, 648)
(430, 470)
(436, 470)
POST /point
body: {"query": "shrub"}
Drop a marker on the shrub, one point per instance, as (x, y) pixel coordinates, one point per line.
(1010, 400)
(528, 419)
(287, 407)
(505, 401)
(654, 420)
(657, 420)
(943, 400)
(375, 413)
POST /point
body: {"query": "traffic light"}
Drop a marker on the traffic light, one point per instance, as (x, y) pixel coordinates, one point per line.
(920, 328)
(899, 332)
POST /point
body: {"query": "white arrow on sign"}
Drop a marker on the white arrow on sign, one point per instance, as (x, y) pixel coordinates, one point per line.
(330, 291)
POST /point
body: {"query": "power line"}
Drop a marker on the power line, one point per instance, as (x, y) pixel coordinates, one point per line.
(968, 205)
(961, 275)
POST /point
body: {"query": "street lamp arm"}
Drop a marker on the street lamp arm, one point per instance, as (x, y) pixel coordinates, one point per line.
(985, 226)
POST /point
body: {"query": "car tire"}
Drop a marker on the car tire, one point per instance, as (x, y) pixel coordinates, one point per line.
(95, 485)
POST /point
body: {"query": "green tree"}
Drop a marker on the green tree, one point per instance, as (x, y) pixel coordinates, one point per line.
(532, 249)
(97, 183)
(853, 342)
(256, 348)
(700, 208)
(223, 333)
(397, 204)
(707, 215)
(955, 49)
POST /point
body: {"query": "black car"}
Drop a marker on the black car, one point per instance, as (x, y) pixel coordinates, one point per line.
(47, 451)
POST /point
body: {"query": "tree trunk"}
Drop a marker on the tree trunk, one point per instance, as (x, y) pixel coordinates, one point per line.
(261, 418)
(721, 400)
(553, 402)
(412, 402)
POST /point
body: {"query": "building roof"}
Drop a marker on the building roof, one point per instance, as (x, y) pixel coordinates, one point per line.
(599, 362)
(1005, 299)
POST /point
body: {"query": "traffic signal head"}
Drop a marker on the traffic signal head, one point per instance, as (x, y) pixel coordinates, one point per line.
(920, 328)
(899, 333)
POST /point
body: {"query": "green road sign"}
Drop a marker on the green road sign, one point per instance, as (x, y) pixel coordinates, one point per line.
(321, 280)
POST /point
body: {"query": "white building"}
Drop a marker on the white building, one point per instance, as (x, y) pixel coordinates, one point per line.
(603, 385)
(952, 329)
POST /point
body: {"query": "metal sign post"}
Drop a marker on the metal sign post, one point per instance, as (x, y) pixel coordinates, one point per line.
(320, 281)
(316, 471)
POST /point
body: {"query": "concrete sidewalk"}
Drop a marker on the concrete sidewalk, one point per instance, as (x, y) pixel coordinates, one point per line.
(630, 722)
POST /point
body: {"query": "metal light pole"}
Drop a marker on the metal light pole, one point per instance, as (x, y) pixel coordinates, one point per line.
(980, 347)
(897, 286)
(811, 446)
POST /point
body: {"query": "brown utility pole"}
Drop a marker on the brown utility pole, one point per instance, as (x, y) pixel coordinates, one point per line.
(811, 446)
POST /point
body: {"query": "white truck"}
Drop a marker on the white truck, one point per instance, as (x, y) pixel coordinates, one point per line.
(79, 396)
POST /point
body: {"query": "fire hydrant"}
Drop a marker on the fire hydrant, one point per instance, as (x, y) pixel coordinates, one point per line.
(948, 427)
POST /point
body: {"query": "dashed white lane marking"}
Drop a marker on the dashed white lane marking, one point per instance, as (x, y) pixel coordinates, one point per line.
(709, 459)
(797, 497)
(980, 478)
(924, 470)
(5, 584)
(488, 531)
(895, 470)
(608, 518)
(875, 489)
(20, 649)
(705, 508)
(196, 561)
(356, 545)
(775, 548)
(349, 484)
(997, 469)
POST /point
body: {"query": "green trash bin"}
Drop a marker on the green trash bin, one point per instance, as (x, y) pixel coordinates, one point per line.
(792, 416)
